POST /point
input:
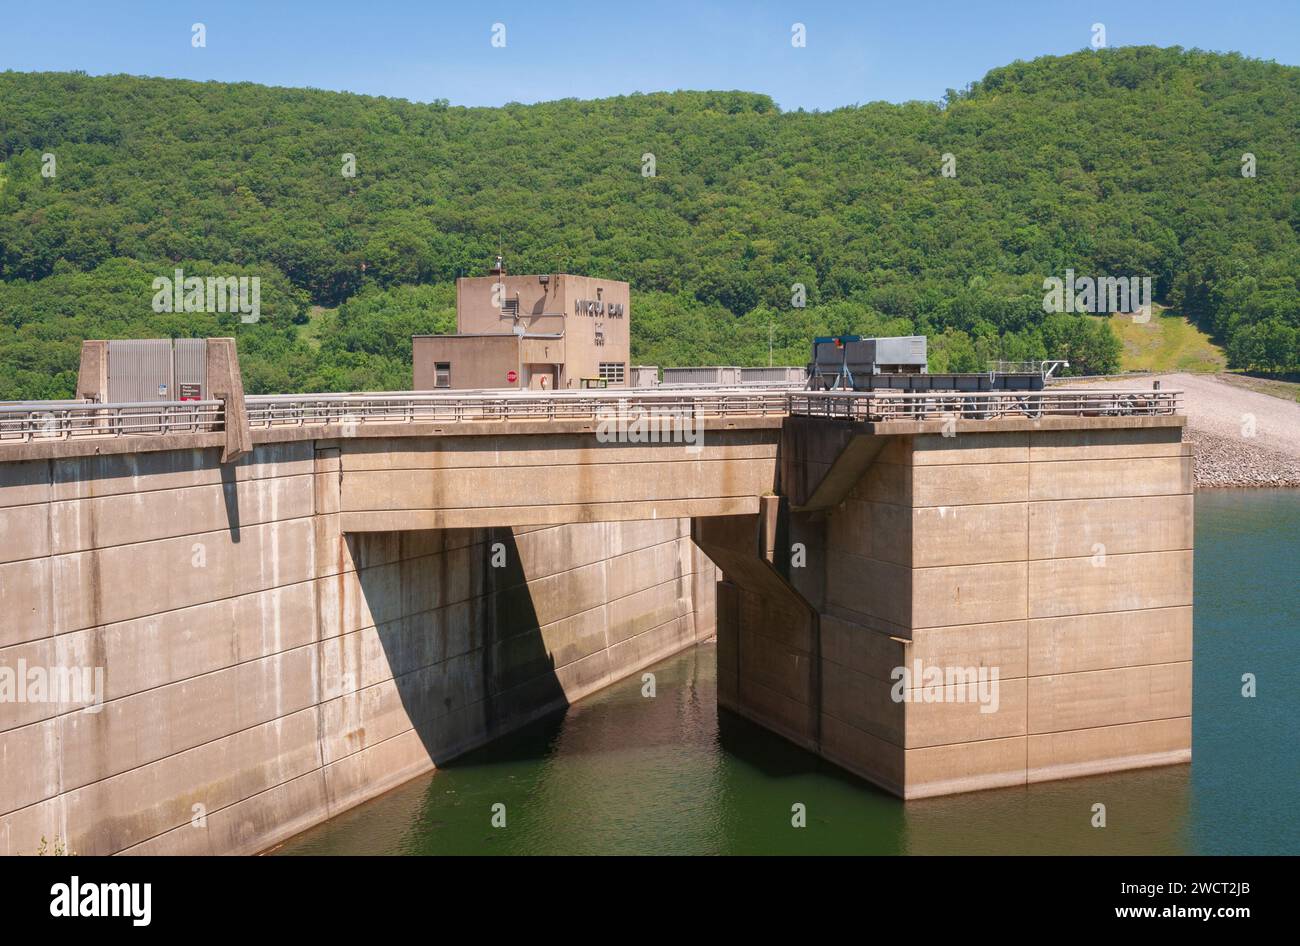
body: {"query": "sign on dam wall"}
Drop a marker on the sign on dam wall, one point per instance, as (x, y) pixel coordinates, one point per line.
(348, 606)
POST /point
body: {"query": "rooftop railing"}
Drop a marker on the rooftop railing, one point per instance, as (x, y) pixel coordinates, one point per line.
(39, 421)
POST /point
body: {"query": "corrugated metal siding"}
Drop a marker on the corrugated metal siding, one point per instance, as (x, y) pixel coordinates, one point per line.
(772, 375)
(136, 367)
(191, 362)
(710, 375)
(154, 369)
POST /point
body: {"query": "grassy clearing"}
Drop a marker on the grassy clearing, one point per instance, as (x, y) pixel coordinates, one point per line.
(318, 317)
(1166, 342)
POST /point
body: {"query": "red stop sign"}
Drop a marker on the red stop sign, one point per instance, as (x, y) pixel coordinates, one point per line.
(512, 376)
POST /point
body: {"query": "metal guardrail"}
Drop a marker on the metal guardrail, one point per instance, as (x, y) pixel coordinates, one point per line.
(879, 406)
(298, 411)
(39, 421)
(739, 386)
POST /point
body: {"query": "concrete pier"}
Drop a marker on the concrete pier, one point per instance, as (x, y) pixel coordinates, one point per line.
(1059, 560)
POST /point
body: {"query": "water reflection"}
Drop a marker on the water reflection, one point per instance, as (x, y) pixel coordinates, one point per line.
(624, 774)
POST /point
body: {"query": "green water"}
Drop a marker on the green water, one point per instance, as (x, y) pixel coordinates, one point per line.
(619, 773)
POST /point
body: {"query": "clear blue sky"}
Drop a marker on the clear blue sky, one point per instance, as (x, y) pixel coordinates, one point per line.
(856, 51)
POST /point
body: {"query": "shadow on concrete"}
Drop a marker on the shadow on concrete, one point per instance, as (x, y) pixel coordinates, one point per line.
(460, 634)
(777, 757)
(532, 741)
(112, 466)
(230, 496)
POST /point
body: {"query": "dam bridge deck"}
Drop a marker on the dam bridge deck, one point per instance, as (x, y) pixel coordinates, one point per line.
(274, 417)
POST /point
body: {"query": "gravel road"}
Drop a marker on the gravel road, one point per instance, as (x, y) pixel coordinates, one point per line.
(1242, 438)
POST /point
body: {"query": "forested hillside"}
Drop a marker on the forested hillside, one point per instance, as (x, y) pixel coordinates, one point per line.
(1114, 162)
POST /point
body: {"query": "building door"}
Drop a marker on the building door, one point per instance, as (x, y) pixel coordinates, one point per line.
(541, 377)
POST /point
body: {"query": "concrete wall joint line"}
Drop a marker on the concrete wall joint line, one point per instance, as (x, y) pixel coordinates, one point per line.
(510, 637)
(1131, 722)
(608, 681)
(64, 790)
(1080, 614)
(314, 773)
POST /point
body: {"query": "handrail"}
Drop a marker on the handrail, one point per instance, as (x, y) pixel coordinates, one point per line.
(38, 421)
(881, 406)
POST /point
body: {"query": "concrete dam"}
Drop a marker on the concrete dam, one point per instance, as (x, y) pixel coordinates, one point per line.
(284, 606)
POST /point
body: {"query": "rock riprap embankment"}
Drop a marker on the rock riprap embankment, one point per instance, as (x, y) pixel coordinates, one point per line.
(1242, 437)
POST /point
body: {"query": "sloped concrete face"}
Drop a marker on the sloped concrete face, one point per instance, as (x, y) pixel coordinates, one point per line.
(768, 666)
(261, 669)
(1036, 585)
